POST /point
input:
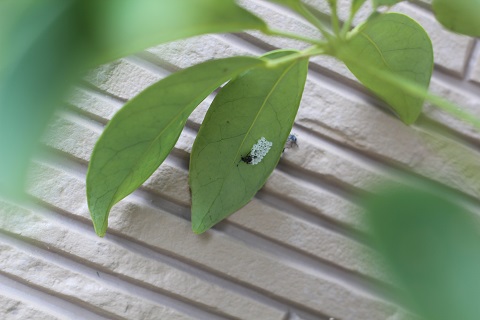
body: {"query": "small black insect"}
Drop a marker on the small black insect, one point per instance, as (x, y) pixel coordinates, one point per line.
(248, 158)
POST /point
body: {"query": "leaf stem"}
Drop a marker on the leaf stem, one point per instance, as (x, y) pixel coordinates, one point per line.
(335, 20)
(346, 26)
(280, 33)
(454, 110)
(307, 14)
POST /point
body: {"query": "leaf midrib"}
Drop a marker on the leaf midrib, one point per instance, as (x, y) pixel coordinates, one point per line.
(261, 109)
(250, 128)
(377, 48)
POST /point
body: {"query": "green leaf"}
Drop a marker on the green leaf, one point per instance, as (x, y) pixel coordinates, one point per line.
(124, 27)
(389, 3)
(396, 44)
(42, 52)
(432, 245)
(461, 16)
(261, 103)
(141, 135)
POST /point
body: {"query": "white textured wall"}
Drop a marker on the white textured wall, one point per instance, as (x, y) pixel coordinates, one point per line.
(297, 251)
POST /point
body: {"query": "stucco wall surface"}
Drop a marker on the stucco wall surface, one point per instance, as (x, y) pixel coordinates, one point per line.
(298, 250)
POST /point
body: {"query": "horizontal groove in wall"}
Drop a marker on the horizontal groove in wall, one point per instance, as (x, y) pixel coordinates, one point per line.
(74, 303)
(159, 201)
(371, 161)
(469, 68)
(50, 303)
(311, 265)
(116, 281)
(304, 214)
(405, 175)
(317, 265)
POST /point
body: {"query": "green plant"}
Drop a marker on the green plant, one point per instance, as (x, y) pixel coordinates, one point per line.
(260, 101)
(389, 53)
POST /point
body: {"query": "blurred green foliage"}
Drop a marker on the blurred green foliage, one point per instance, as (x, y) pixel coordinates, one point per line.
(432, 245)
(461, 16)
(42, 53)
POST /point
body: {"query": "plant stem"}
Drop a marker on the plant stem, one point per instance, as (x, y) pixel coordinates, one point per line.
(280, 33)
(346, 26)
(307, 14)
(335, 21)
(311, 51)
(454, 110)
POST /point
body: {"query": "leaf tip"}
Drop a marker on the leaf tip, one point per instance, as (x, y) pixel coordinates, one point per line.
(100, 230)
(198, 229)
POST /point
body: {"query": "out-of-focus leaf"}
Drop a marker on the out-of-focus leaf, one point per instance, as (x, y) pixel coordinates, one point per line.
(42, 48)
(261, 103)
(461, 16)
(432, 246)
(141, 135)
(123, 27)
(396, 44)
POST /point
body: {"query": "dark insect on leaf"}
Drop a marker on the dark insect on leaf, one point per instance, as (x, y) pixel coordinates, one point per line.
(248, 158)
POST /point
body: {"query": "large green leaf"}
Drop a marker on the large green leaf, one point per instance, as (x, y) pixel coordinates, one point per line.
(461, 16)
(432, 246)
(261, 103)
(123, 27)
(141, 135)
(396, 44)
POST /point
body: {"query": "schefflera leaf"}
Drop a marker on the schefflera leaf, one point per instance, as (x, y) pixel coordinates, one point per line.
(430, 243)
(391, 43)
(141, 135)
(260, 103)
(461, 16)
